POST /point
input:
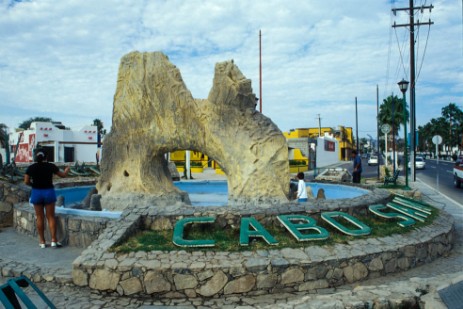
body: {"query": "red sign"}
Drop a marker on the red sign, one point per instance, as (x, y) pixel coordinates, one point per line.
(330, 146)
(31, 146)
(23, 153)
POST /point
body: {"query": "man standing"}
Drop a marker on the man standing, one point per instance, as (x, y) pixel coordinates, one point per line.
(357, 167)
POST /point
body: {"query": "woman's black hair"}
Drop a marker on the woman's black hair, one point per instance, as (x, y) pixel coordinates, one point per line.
(300, 175)
(40, 156)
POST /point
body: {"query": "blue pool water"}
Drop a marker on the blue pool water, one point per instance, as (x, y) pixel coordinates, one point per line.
(73, 195)
(333, 192)
(215, 193)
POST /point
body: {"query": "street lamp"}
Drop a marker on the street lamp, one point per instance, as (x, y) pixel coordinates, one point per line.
(403, 85)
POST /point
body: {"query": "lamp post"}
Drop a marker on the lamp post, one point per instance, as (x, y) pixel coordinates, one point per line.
(403, 85)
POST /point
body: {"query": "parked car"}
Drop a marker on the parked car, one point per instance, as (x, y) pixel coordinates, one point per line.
(420, 164)
(373, 160)
(458, 172)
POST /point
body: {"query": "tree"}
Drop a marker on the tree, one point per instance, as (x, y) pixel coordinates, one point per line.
(99, 124)
(363, 142)
(101, 133)
(391, 112)
(3, 135)
(392, 104)
(27, 123)
(4, 142)
(454, 118)
(449, 126)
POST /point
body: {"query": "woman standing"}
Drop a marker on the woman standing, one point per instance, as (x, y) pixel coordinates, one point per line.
(40, 176)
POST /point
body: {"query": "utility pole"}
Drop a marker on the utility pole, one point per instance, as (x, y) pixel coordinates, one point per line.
(260, 71)
(377, 128)
(356, 127)
(319, 125)
(411, 12)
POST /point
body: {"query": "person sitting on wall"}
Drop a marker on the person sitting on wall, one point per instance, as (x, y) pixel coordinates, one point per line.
(301, 188)
(293, 188)
(40, 176)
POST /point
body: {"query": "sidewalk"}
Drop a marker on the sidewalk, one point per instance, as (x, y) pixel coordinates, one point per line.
(21, 254)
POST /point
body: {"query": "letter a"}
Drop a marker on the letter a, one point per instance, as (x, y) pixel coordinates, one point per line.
(257, 231)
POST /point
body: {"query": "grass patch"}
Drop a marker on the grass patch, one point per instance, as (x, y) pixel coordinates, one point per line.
(228, 239)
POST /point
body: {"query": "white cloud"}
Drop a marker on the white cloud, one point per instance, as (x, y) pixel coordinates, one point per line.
(60, 58)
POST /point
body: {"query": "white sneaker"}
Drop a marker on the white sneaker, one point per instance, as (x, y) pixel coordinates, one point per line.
(42, 246)
(56, 244)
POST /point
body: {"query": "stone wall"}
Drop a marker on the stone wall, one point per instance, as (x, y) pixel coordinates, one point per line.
(197, 273)
(72, 230)
(11, 194)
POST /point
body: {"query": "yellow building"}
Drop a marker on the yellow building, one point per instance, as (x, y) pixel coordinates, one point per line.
(344, 135)
(299, 150)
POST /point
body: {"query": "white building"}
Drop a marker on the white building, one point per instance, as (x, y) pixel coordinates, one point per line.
(327, 149)
(58, 143)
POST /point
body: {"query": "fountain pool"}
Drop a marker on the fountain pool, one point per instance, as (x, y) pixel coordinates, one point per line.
(215, 193)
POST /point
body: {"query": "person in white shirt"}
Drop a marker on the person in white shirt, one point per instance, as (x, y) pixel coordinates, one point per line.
(301, 188)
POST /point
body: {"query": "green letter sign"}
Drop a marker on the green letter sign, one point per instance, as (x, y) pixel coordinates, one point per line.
(309, 224)
(257, 231)
(412, 213)
(179, 228)
(330, 218)
(378, 210)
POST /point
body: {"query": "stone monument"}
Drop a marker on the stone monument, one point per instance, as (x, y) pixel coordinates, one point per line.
(154, 113)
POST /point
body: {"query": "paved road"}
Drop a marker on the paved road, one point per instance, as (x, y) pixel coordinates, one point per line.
(440, 176)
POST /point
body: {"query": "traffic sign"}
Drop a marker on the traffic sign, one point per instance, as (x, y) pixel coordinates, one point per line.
(437, 139)
(385, 128)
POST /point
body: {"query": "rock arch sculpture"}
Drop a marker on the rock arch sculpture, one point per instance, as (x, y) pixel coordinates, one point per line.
(154, 113)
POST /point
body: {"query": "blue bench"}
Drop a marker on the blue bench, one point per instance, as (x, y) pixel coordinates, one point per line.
(392, 179)
(12, 289)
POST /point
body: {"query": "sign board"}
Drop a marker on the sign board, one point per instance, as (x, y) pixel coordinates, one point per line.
(437, 139)
(385, 128)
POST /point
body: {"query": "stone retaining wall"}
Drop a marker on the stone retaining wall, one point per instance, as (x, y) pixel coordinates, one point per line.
(72, 230)
(11, 194)
(179, 274)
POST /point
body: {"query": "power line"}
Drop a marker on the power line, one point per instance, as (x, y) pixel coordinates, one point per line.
(411, 24)
(424, 53)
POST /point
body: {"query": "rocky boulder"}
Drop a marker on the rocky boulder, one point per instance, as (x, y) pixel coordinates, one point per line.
(154, 113)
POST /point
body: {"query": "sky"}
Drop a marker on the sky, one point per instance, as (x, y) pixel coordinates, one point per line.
(60, 59)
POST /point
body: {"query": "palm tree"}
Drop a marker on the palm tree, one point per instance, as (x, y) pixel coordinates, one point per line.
(4, 142)
(3, 135)
(391, 112)
(99, 124)
(454, 117)
(101, 133)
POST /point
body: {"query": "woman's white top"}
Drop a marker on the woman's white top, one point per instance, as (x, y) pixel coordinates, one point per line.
(301, 189)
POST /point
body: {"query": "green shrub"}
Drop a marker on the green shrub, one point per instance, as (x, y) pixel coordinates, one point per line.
(297, 162)
(196, 164)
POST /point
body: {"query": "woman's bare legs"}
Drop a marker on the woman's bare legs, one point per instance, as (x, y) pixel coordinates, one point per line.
(50, 211)
(40, 216)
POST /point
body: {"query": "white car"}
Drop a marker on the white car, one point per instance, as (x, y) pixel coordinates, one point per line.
(420, 164)
(373, 160)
